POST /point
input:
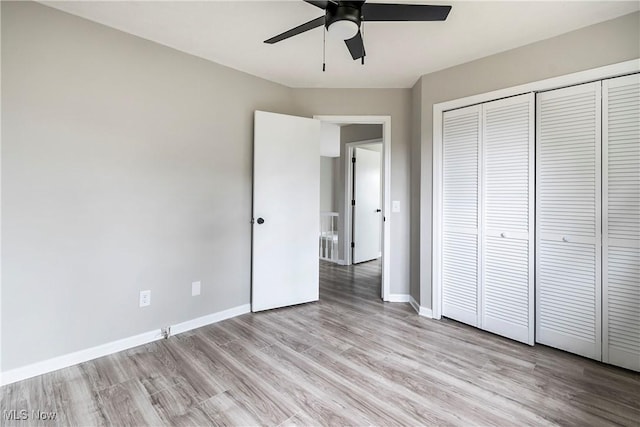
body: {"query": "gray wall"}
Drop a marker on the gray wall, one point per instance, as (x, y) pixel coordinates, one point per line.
(327, 184)
(337, 184)
(416, 202)
(126, 166)
(360, 132)
(598, 45)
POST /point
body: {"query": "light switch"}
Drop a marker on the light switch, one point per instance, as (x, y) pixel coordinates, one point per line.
(395, 206)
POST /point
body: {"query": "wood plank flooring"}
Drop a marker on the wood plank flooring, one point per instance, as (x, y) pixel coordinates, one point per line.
(348, 359)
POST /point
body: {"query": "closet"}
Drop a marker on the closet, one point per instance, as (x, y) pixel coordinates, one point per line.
(487, 268)
(588, 223)
(545, 251)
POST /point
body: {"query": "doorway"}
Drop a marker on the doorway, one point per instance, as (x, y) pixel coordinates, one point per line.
(346, 223)
(364, 184)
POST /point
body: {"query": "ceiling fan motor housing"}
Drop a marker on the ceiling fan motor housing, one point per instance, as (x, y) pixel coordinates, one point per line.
(344, 11)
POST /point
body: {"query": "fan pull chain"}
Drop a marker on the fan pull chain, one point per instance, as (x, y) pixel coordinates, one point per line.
(324, 49)
(362, 25)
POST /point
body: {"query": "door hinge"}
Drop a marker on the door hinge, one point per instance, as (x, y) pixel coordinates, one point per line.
(353, 202)
(353, 245)
(353, 160)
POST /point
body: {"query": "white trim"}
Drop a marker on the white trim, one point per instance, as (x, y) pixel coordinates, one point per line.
(600, 73)
(210, 319)
(436, 229)
(426, 312)
(77, 357)
(398, 298)
(422, 311)
(414, 304)
(64, 361)
(385, 121)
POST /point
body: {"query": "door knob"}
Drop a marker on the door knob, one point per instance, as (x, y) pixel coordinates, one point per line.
(378, 210)
(260, 221)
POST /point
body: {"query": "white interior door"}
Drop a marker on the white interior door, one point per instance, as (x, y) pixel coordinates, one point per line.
(367, 210)
(286, 211)
(507, 250)
(568, 266)
(621, 219)
(460, 249)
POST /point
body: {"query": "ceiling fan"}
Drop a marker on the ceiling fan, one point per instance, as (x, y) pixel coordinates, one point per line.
(344, 18)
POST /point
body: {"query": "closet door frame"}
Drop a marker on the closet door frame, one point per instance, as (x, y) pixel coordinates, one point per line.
(432, 242)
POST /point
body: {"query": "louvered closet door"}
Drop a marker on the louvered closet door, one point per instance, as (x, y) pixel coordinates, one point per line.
(461, 138)
(568, 165)
(621, 218)
(507, 233)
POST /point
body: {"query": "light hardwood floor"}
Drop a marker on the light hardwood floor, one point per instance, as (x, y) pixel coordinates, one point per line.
(348, 359)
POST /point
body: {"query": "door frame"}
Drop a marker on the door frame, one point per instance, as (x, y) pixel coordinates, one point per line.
(385, 121)
(348, 195)
(599, 73)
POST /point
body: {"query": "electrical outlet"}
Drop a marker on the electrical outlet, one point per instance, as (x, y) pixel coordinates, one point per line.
(165, 332)
(145, 298)
(195, 288)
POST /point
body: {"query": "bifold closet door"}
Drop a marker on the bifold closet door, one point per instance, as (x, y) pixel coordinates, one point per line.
(507, 198)
(568, 207)
(621, 218)
(461, 139)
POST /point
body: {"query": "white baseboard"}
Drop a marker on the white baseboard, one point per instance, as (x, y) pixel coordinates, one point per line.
(414, 304)
(422, 311)
(80, 356)
(210, 319)
(64, 361)
(397, 298)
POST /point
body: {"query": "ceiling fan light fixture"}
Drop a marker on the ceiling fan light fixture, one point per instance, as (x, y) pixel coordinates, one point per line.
(343, 29)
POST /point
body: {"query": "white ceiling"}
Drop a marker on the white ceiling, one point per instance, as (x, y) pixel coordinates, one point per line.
(232, 33)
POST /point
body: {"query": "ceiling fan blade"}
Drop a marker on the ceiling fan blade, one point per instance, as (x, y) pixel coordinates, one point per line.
(404, 12)
(315, 23)
(321, 4)
(356, 46)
